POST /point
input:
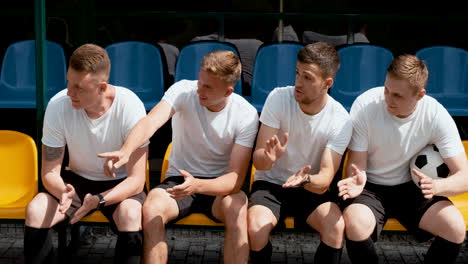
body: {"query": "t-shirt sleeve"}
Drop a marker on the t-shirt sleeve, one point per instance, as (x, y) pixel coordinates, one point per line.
(248, 129)
(445, 134)
(178, 94)
(360, 137)
(271, 113)
(343, 129)
(53, 134)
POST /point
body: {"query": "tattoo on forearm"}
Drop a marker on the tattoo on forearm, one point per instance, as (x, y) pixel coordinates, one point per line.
(51, 154)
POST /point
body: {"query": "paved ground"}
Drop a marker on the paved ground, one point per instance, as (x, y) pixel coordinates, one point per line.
(206, 246)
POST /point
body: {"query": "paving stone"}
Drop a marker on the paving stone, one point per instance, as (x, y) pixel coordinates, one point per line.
(211, 256)
(206, 246)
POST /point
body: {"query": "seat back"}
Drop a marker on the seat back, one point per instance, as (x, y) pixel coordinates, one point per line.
(362, 67)
(139, 67)
(275, 66)
(190, 58)
(448, 77)
(18, 168)
(165, 165)
(18, 76)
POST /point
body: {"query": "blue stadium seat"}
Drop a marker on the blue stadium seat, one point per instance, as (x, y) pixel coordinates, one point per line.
(275, 66)
(190, 58)
(18, 76)
(139, 67)
(448, 77)
(362, 67)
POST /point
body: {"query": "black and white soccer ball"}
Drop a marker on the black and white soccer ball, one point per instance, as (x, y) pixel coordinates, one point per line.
(430, 162)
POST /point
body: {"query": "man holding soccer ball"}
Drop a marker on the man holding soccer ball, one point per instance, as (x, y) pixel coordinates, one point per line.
(391, 125)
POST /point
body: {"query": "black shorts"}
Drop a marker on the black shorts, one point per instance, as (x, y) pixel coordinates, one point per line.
(405, 202)
(195, 203)
(285, 202)
(84, 186)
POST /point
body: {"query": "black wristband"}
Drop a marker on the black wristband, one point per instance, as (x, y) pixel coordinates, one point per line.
(101, 201)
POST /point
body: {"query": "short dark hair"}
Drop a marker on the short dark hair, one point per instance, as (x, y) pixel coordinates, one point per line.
(90, 58)
(322, 54)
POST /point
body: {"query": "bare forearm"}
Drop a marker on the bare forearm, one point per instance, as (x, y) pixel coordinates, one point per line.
(147, 126)
(127, 188)
(453, 185)
(222, 185)
(51, 165)
(261, 161)
(319, 183)
(53, 184)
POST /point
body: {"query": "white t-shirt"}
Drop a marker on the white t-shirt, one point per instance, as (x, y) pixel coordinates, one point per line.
(202, 140)
(309, 135)
(391, 142)
(85, 138)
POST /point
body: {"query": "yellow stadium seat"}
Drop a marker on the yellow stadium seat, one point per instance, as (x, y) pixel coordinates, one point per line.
(198, 219)
(18, 170)
(461, 201)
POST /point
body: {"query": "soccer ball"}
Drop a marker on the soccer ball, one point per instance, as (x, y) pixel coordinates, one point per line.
(430, 162)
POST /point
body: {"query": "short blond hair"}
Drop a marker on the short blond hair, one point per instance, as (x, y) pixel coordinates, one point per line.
(224, 64)
(91, 58)
(410, 68)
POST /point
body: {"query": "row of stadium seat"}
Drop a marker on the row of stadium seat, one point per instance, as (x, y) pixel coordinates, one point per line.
(140, 66)
(19, 166)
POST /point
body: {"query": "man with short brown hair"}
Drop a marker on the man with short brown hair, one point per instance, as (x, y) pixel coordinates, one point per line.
(89, 117)
(301, 141)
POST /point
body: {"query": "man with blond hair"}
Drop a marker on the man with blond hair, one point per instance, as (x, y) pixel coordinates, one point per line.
(89, 117)
(391, 125)
(213, 134)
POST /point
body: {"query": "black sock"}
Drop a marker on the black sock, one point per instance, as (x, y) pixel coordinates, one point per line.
(263, 256)
(327, 254)
(362, 251)
(442, 251)
(128, 248)
(37, 244)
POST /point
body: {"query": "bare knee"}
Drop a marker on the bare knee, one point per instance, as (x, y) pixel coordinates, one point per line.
(233, 210)
(457, 228)
(459, 231)
(359, 222)
(333, 228)
(41, 211)
(444, 220)
(127, 216)
(259, 226)
(328, 220)
(158, 210)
